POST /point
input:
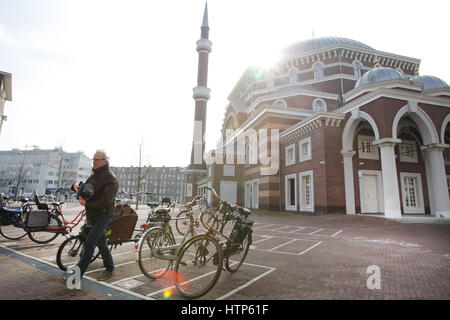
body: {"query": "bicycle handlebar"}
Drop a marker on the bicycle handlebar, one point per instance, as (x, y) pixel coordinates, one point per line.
(135, 194)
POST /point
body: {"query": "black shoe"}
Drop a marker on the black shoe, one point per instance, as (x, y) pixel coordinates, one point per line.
(105, 275)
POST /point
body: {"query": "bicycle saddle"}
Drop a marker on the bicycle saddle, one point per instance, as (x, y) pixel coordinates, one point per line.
(162, 211)
(153, 204)
(244, 211)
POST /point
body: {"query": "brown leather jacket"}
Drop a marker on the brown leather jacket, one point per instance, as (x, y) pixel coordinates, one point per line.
(105, 186)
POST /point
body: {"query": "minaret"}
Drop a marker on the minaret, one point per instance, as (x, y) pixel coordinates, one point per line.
(201, 96)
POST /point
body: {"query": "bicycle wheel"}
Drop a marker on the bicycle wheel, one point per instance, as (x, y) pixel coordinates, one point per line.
(182, 225)
(13, 231)
(238, 252)
(42, 237)
(153, 260)
(71, 251)
(198, 266)
(208, 219)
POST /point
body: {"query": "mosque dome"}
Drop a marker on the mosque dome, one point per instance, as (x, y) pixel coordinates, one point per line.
(379, 74)
(300, 47)
(430, 82)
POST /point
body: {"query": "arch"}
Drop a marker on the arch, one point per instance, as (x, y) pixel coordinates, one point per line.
(293, 75)
(280, 103)
(443, 127)
(319, 105)
(318, 69)
(422, 120)
(352, 124)
(357, 67)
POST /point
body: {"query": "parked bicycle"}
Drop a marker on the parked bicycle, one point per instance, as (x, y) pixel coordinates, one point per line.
(12, 220)
(200, 260)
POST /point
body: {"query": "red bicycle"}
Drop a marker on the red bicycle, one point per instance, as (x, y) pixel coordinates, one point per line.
(45, 225)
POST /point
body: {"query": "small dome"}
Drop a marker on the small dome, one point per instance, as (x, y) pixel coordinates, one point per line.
(300, 47)
(430, 82)
(379, 74)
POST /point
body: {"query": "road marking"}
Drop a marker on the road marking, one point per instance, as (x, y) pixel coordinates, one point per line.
(286, 243)
(298, 229)
(316, 231)
(246, 284)
(336, 234)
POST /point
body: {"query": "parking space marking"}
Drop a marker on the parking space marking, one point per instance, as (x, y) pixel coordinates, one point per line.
(281, 245)
(336, 233)
(316, 231)
(298, 229)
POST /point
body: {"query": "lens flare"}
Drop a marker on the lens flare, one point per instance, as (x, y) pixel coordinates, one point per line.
(167, 282)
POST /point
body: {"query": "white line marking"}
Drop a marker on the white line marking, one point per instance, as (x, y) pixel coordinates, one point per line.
(298, 229)
(286, 243)
(260, 240)
(267, 225)
(336, 233)
(245, 285)
(316, 231)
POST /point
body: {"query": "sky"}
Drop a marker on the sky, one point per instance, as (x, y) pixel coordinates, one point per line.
(115, 74)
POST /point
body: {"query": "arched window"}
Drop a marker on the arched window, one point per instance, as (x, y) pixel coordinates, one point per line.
(280, 103)
(293, 76)
(357, 68)
(318, 70)
(319, 105)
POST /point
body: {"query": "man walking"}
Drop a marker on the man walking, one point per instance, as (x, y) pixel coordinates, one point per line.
(99, 211)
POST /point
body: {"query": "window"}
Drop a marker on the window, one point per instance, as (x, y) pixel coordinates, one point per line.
(357, 68)
(411, 185)
(228, 170)
(189, 189)
(291, 192)
(306, 191)
(408, 151)
(365, 148)
(319, 105)
(253, 152)
(270, 81)
(318, 70)
(447, 156)
(290, 155)
(305, 149)
(293, 76)
(280, 103)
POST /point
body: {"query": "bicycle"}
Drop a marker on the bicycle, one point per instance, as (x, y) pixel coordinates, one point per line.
(12, 220)
(158, 250)
(205, 216)
(120, 230)
(50, 221)
(200, 250)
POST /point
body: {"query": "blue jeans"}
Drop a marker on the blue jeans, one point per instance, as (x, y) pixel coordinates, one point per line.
(97, 237)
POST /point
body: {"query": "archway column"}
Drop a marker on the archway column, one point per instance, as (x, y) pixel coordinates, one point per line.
(391, 194)
(437, 181)
(348, 181)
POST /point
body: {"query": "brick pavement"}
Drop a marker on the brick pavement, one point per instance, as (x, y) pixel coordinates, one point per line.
(414, 261)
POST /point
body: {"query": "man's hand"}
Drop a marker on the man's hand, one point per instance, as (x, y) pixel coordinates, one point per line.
(75, 187)
(82, 201)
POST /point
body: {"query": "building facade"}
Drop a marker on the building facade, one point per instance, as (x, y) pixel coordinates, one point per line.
(23, 171)
(161, 182)
(335, 126)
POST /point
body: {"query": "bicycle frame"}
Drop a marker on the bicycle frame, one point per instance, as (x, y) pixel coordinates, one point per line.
(67, 226)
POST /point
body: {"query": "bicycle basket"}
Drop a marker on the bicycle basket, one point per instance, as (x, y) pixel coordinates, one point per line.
(38, 219)
(8, 217)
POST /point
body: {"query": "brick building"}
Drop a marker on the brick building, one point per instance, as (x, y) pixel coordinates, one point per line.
(349, 129)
